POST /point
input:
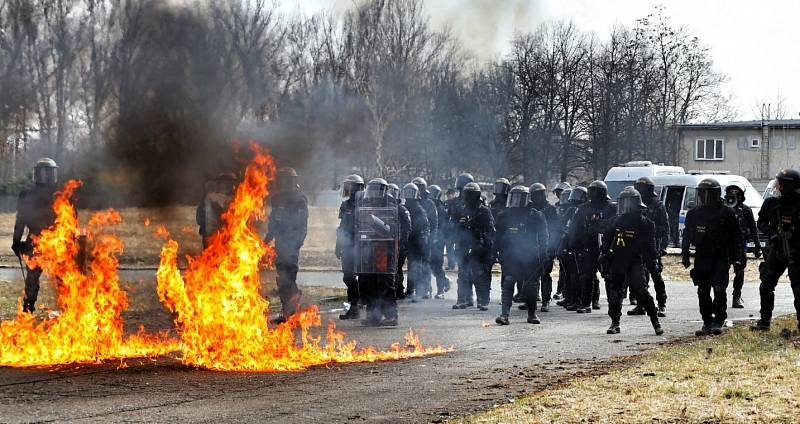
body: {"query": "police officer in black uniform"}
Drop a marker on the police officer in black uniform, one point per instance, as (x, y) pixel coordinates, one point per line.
(432, 214)
(419, 275)
(711, 227)
(734, 197)
(218, 195)
(538, 194)
(779, 219)
(34, 212)
(474, 236)
(559, 188)
(522, 243)
(455, 208)
(628, 252)
(571, 199)
(501, 188)
(656, 212)
(345, 241)
(586, 230)
(376, 260)
(394, 192)
(438, 242)
(288, 226)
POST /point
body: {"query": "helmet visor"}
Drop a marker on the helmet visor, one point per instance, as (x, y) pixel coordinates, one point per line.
(434, 193)
(375, 191)
(539, 197)
(45, 175)
(517, 199)
(646, 190)
(349, 189)
(628, 204)
(411, 192)
(707, 196)
(597, 194)
(472, 198)
(501, 188)
(563, 198)
(577, 196)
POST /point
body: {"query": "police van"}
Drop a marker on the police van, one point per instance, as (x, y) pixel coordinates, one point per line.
(625, 175)
(678, 192)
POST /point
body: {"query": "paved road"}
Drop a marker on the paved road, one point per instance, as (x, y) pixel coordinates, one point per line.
(491, 365)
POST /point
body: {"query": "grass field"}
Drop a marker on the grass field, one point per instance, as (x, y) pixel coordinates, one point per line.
(739, 377)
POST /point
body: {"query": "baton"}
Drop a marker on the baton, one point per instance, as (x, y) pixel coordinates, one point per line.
(22, 268)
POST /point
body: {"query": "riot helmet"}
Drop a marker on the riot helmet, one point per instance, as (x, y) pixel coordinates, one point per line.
(45, 172)
(598, 191)
(226, 183)
(501, 187)
(563, 199)
(538, 194)
(377, 188)
(463, 180)
(410, 192)
(734, 195)
(422, 185)
(518, 197)
(646, 188)
(394, 191)
(351, 185)
(708, 192)
(434, 192)
(286, 179)
(579, 195)
(560, 187)
(471, 194)
(788, 182)
(629, 201)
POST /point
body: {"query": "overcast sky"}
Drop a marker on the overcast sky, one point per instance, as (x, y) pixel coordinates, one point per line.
(755, 43)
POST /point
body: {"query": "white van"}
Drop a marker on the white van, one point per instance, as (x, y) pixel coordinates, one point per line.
(625, 175)
(678, 194)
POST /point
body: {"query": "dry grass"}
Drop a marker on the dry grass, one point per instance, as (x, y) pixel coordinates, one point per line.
(742, 376)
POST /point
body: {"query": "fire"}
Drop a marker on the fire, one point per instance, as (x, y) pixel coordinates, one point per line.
(222, 317)
(89, 327)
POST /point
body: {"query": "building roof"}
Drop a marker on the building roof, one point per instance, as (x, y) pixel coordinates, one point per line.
(757, 124)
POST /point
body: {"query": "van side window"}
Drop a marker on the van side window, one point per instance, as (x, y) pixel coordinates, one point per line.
(689, 198)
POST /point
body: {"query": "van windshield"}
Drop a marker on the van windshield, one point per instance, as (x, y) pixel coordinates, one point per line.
(615, 187)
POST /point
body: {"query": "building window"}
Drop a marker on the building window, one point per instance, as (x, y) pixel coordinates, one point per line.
(709, 149)
(755, 143)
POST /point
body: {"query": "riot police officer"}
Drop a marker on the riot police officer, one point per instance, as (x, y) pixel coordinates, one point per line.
(438, 243)
(419, 275)
(571, 200)
(522, 243)
(538, 194)
(656, 212)
(501, 189)
(779, 219)
(34, 212)
(379, 226)
(734, 197)
(711, 227)
(288, 226)
(559, 188)
(474, 236)
(394, 193)
(219, 193)
(432, 213)
(629, 246)
(586, 229)
(345, 241)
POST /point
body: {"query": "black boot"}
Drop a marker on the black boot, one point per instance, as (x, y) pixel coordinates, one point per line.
(545, 307)
(716, 328)
(614, 327)
(502, 320)
(638, 310)
(662, 310)
(596, 305)
(352, 312)
(760, 325)
(532, 318)
(737, 302)
(706, 330)
(656, 326)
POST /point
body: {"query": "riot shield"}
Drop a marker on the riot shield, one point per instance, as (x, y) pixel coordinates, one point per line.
(377, 236)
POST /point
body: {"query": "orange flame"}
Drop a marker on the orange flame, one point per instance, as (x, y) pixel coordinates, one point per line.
(89, 327)
(220, 312)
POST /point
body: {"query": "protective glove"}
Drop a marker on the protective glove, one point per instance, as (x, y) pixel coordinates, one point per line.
(757, 253)
(17, 247)
(686, 262)
(653, 266)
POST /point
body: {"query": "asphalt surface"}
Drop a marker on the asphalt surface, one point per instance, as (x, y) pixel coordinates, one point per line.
(490, 366)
